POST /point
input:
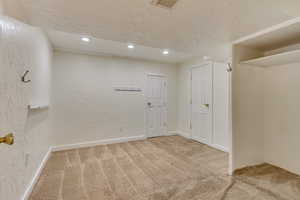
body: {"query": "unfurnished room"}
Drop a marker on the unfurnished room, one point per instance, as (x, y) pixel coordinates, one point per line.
(149, 100)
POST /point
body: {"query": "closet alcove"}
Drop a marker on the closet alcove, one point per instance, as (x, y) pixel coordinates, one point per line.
(266, 98)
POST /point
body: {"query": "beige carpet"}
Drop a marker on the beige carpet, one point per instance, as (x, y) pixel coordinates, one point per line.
(164, 168)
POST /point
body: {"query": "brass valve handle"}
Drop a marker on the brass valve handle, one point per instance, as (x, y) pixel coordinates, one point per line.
(8, 139)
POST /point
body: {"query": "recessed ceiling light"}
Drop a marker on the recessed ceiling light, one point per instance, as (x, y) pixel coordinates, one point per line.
(165, 52)
(85, 39)
(130, 46)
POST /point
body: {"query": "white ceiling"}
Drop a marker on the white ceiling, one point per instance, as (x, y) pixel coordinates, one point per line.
(72, 43)
(193, 27)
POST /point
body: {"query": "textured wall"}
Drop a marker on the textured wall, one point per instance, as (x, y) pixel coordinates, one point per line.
(19, 44)
(85, 106)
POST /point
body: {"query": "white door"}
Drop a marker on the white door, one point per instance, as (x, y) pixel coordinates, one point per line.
(156, 106)
(201, 109)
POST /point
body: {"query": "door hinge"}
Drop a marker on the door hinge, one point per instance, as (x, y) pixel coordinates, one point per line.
(191, 125)
(191, 101)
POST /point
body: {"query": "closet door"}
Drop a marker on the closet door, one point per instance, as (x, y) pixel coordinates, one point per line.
(202, 103)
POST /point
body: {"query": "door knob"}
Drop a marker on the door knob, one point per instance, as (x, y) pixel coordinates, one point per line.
(149, 103)
(8, 139)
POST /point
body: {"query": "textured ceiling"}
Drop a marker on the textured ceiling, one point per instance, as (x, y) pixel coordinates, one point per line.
(195, 27)
(72, 43)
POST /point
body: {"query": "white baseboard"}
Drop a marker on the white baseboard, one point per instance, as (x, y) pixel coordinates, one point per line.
(219, 147)
(96, 143)
(184, 134)
(36, 175)
(188, 135)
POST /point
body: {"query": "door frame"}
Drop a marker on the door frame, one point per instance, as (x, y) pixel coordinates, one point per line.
(191, 103)
(146, 101)
(230, 135)
(213, 144)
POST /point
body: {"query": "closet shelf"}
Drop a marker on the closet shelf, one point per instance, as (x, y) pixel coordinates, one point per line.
(277, 59)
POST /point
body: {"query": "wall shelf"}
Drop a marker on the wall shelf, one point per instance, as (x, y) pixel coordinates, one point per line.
(35, 107)
(277, 59)
(127, 89)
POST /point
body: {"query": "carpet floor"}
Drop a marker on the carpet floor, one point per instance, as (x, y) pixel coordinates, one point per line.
(163, 168)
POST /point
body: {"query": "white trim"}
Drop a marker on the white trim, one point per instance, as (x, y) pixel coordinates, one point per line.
(230, 142)
(37, 175)
(184, 134)
(268, 30)
(188, 136)
(219, 147)
(96, 143)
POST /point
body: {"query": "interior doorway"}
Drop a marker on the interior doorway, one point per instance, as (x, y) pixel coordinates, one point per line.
(156, 105)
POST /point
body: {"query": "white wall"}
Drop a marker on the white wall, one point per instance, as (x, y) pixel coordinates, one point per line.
(247, 110)
(85, 105)
(13, 8)
(281, 118)
(1, 7)
(40, 75)
(266, 112)
(221, 92)
(22, 47)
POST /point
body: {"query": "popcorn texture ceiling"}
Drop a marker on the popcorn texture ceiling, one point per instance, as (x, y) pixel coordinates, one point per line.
(196, 27)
